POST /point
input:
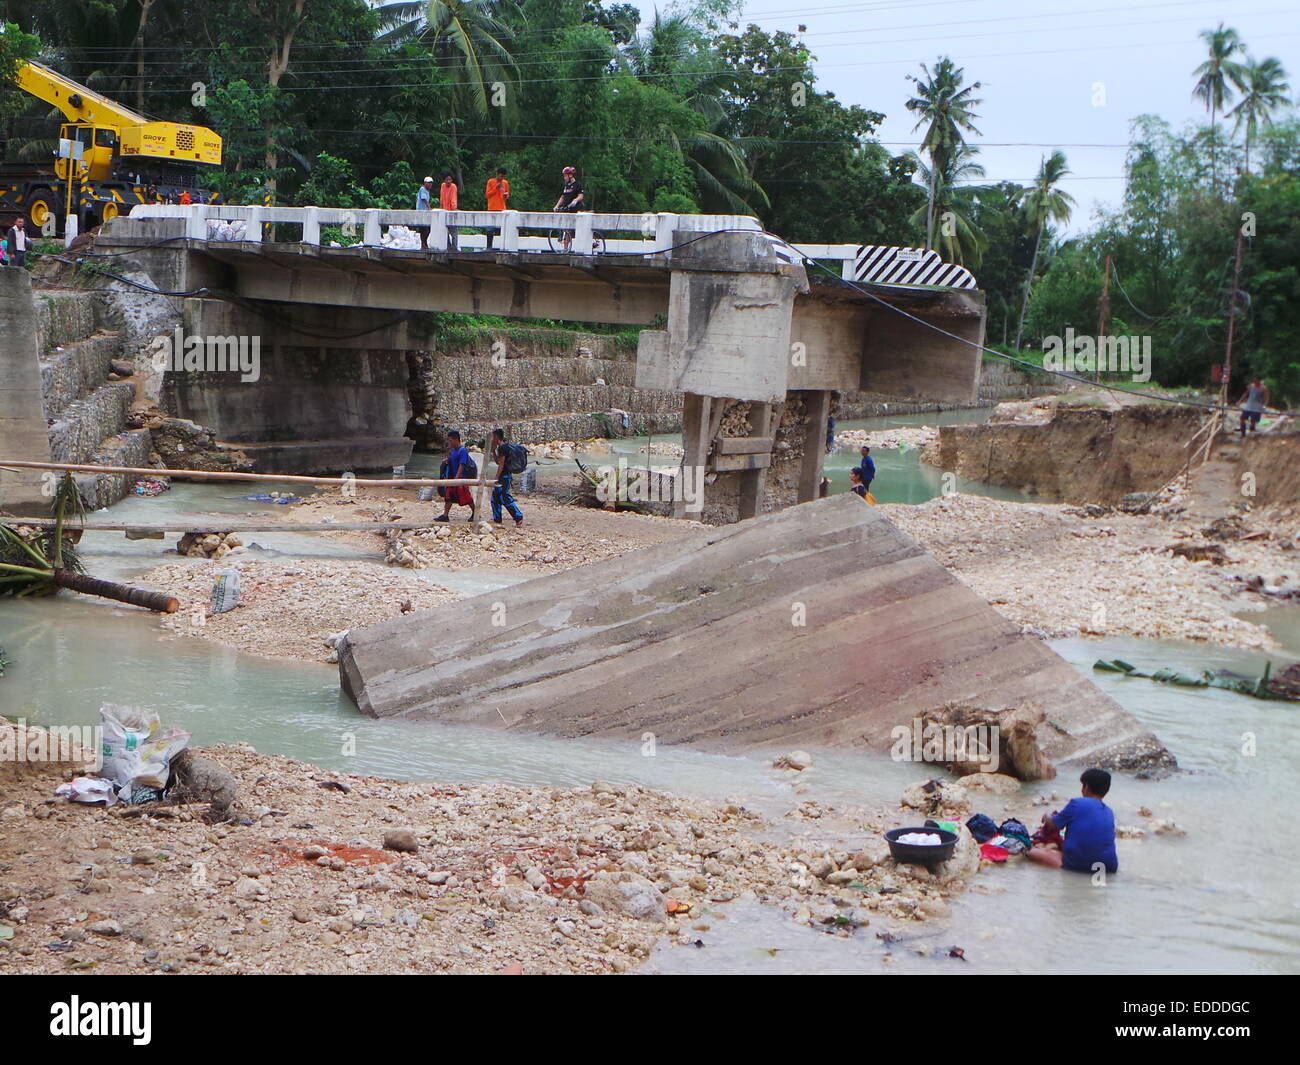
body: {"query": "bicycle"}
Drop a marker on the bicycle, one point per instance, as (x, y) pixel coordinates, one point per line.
(555, 238)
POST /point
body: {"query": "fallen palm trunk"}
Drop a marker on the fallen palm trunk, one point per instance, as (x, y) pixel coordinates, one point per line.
(42, 564)
(122, 593)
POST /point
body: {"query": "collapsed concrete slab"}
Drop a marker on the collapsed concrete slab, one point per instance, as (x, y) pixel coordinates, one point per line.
(821, 624)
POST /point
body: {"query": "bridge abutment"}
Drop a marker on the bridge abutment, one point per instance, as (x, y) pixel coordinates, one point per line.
(732, 324)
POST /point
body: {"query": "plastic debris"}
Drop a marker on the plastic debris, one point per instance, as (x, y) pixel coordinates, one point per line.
(88, 790)
(138, 751)
(225, 591)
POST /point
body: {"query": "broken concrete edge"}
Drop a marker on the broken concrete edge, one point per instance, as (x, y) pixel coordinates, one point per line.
(568, 653)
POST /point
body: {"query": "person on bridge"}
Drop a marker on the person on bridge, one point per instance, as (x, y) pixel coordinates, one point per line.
(501, 496)
(498, 196)
(457, 466)
(572, 197)
(1255, 405)
(447, 199)
(868, 467)
(424, 202)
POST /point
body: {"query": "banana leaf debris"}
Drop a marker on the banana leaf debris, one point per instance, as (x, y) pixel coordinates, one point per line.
(1284, 687)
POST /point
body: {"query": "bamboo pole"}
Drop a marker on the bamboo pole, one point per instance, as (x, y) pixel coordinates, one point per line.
(223, 475)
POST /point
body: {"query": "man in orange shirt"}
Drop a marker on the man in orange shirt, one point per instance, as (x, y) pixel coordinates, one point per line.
(447, 201)
(498, 196)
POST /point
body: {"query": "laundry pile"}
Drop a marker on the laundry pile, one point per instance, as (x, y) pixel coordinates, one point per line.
(999, 842)
(920, 839)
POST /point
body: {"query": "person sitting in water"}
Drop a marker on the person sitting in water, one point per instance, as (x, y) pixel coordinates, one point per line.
(855, 478)
(1089, 827)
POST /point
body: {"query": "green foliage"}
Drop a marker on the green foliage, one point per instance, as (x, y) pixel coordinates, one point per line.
(15, 48)
(1172, 245)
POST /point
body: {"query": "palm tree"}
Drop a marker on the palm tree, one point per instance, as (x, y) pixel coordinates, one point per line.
(951, 200)
(1044, 203)
(1216, 76)
(672, 54)
(949, 109)
(1263, 91)
(469, 39)
(42, 563)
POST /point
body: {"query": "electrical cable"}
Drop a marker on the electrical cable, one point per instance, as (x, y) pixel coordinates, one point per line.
(243, 301)
(1011, 358)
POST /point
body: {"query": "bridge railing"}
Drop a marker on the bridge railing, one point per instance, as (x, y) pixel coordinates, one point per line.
(511, 230)
(525, 231)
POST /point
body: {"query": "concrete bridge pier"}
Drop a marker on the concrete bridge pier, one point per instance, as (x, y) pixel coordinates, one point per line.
(730, 307)
(305, 390)
(23, 433)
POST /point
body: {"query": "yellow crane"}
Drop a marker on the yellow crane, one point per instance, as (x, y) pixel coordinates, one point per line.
(126, 158)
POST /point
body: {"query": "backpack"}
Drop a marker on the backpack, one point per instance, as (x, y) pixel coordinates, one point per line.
(470, 469)
(516, 458)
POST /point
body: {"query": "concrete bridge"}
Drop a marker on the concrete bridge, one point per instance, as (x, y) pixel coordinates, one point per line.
(734, 318)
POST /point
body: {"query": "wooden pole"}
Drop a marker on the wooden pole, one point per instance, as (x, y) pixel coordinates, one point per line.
(482, 480)
(1103, 314)
(1232, 323)
(223, 475)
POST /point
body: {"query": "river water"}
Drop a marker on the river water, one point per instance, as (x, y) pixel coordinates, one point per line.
(1223, 898)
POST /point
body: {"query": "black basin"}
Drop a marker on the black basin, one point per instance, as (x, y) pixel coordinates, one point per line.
(919, 854)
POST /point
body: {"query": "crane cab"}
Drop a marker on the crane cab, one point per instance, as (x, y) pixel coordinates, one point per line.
(99, 147)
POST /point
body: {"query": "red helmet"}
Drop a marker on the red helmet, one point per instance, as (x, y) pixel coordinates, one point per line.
(568, 170)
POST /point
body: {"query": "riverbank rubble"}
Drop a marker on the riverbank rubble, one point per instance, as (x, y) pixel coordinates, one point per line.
(1112, 573)
(316, 871)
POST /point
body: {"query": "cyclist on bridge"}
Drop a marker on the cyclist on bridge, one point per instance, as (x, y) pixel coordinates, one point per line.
(572, 197)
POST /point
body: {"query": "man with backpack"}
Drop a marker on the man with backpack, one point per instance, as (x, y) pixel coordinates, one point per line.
(511, 459)
(457, 465)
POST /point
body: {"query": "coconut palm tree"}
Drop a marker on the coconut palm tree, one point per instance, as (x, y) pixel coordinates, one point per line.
(469, 39)
(1216, 76)
(670, 51)
(1263, 91)
(1045, 202)
(947, 109)
(958, 241)
(43, 563)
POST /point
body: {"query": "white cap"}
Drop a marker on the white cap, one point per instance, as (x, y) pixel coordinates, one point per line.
(428, 179)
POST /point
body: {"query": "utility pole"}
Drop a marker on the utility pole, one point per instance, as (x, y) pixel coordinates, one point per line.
(1232, 321)
(1103, 315)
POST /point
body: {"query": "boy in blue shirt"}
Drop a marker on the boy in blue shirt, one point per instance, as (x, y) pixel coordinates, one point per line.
(868, 467)
(1088, 825)
(458, 465)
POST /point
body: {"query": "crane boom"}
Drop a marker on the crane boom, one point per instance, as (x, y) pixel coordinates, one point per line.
(111, 158)
(78, 103)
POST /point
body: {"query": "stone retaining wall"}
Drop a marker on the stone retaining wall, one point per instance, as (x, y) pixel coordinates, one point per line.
(538, 385)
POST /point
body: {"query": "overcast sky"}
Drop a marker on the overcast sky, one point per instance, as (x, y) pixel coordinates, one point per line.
(1041, 66)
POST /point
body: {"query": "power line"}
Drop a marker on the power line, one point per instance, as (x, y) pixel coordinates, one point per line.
(1021, 54)
(1011, 358)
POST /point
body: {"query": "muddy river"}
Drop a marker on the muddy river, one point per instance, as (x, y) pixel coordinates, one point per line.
(1223, 898)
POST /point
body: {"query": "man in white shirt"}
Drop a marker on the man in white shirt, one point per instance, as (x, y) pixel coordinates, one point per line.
(424, 202)
(18, 242)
